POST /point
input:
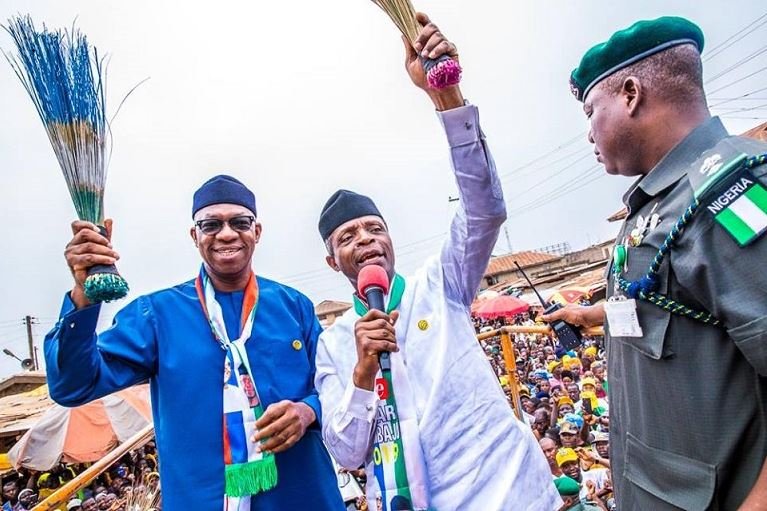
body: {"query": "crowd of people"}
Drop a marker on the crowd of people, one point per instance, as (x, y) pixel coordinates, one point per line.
(428, 447)
(563, 396)
(131, 483)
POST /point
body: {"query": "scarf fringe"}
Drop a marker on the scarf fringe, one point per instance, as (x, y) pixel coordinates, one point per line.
(243, 479)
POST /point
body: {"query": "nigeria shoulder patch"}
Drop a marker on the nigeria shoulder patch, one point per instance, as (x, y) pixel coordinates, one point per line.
(739, 205)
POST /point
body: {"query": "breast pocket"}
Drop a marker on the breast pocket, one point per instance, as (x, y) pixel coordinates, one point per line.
(288, 352)
(653, 319)
(282, 368)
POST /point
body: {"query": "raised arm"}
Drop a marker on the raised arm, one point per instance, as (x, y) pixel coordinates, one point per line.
(482, 210)
(82, 366)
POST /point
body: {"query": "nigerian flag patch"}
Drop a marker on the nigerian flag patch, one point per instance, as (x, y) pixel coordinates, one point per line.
(741, 208)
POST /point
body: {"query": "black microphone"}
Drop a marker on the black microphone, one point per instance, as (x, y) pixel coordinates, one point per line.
(373, 284)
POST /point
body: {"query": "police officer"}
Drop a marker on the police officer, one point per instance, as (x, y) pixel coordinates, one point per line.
(686, 316)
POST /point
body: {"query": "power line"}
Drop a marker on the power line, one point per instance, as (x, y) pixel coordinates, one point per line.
(533, 205)
(742, 61)
(564, 187)
(560, 191)
(739, 98)
(529, 170)
(551, 176)
(13, 341)
(748, 109)
(323, 273)
(739, 80)
(742, 97)
(744, 108)
(739, 35)
(568, 143)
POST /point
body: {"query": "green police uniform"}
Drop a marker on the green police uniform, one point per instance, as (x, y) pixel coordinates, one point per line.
(687, 399)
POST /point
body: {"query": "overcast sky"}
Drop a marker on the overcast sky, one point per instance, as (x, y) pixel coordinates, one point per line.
(300, 98)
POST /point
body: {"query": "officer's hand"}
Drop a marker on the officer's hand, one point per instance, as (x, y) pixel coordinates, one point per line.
(374, 334)
(87, 248)
(282, 425)
(579, 315)
(431, 44)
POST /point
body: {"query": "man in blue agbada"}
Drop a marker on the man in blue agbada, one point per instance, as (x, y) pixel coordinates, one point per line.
(230, 359)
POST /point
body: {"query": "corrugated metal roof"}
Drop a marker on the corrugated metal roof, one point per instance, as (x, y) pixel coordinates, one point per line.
(19, 412)
(505, 263)
(758, 132)
(331, 307)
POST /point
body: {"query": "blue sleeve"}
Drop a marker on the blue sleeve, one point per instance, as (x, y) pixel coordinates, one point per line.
(82, 366)
(313, 331)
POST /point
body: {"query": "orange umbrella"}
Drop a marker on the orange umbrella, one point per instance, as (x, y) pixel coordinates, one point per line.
(85, 433)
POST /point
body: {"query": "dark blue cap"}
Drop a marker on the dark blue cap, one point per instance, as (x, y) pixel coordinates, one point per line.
(343, 206)
(223, 189)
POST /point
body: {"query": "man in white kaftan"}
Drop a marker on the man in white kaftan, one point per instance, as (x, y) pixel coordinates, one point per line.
(467, 451)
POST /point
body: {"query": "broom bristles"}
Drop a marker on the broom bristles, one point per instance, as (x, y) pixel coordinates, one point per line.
(441, 72)
(63, 76)
(142, 497)
(402, 14)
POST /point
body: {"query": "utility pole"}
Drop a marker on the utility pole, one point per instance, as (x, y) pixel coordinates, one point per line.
(508, 239)
(32, 354)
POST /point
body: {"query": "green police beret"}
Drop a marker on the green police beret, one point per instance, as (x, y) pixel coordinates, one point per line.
(567, 486)
(628, 46)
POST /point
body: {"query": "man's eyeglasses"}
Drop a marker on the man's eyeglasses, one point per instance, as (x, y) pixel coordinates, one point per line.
(212, 226)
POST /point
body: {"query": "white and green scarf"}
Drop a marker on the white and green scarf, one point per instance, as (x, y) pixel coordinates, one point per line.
(398, 463)
(247, 470)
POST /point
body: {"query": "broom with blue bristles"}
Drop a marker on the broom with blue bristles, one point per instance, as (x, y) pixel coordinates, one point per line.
(64, 77)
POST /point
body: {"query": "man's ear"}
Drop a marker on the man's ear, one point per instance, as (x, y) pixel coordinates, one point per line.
(193, 234)
(258, 230)
(332, 262)
(633, 94)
